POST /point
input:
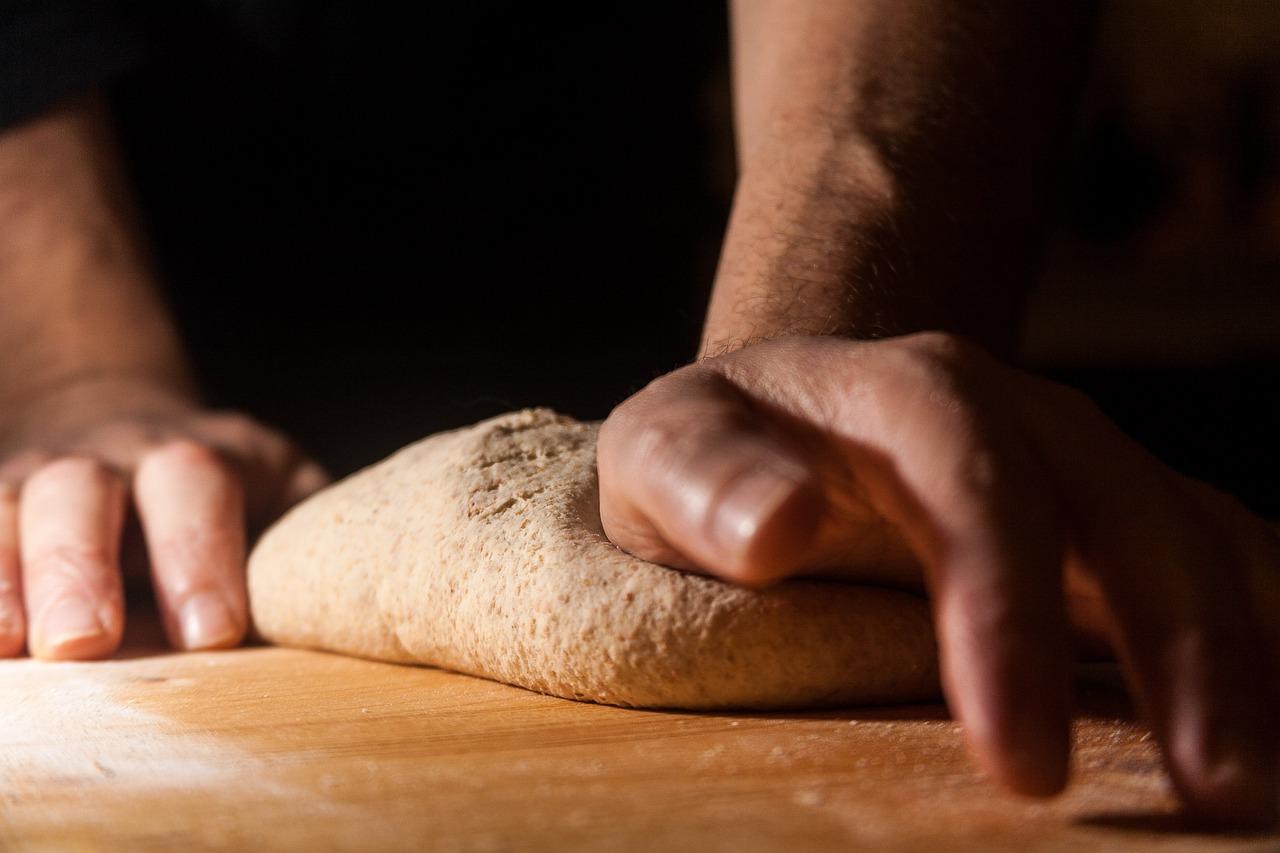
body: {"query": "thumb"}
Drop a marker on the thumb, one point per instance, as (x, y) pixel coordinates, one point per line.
(693, 476)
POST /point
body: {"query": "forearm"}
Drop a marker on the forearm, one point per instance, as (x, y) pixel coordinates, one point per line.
(78, 300)
(894, 160)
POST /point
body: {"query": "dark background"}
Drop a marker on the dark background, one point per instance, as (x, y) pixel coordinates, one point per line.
(379, 220)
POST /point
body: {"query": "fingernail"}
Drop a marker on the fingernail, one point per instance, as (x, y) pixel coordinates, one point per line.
(68, 620)
(746, 505)
(12, 635)
(206, 622)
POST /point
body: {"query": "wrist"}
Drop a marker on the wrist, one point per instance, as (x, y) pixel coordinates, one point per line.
(816, 245)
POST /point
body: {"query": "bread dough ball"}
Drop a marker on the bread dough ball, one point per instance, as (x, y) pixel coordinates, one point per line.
(481, 551)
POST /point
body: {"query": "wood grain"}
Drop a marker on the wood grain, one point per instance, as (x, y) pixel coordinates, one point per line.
(276, 749)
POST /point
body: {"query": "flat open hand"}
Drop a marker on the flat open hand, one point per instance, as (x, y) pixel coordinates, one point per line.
(1021, 507)
(69, 470)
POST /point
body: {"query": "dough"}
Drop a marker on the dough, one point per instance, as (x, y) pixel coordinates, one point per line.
(480, 550)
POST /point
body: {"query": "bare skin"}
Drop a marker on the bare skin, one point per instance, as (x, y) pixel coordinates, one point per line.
(892, 169)
(98, 418)
(893, 162)
(1021, 508)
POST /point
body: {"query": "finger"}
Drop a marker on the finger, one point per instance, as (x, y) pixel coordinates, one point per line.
(1252, 545)
(70, 515)
(1181, 610)
(13, 620)
(192, 511)
(13, 623)
(917, 421)
(938, 458)
(1195, 661)
(967, 493)
(690, 476)
(305, 480)
(1257, 546)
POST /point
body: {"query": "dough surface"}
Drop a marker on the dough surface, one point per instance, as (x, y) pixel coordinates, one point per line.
(480, 550)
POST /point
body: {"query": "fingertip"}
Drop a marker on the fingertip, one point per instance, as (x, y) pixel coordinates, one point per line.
(1008, 679)
(72, 628)
(1037, 767)
(77, 648)
(208, 621)
(1232, 802)
(1231, 785)
(1028, 755)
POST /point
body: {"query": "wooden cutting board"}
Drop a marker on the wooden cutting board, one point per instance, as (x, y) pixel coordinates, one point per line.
(277, 749)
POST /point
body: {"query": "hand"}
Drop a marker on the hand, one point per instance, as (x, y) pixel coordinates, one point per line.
(1027, 512)
(69, 468)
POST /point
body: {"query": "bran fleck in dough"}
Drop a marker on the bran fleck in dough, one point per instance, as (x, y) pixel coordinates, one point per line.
(481, 551)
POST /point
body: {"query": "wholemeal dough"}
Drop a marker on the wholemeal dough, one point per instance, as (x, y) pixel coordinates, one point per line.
(480, 550)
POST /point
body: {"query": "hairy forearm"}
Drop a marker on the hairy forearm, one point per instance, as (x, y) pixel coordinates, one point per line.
(894, 160)
(78, 300)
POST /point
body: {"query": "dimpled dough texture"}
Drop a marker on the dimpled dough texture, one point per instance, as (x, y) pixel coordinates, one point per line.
(481, 551)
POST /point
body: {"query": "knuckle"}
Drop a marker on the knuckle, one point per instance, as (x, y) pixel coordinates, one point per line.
(992, 614)
(978, 473)
(642, 411)
(974, 473)
(129, 433)
(943, 349)
(665, 387)
(668, 442)
(185, 452)
(17, 467)
(234, 418)
(239, 428)
(245, 442)
(1074, 401)
(658, 443)
(73, 469)
(1215, 500)
(943, 367)
(988, 609)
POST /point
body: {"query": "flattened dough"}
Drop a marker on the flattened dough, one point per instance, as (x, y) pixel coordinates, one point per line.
(480, 550)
